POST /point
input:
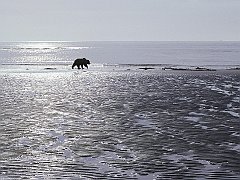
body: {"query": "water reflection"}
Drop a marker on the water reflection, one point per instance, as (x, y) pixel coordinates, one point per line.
(119, 125)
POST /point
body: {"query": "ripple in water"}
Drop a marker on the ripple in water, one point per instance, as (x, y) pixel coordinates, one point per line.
(119, 125)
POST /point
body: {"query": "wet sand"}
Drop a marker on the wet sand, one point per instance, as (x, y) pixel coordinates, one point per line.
(119, 123)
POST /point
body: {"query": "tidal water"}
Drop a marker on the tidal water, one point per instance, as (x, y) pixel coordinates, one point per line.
(218, 55)
(119, 124)
(116, 121)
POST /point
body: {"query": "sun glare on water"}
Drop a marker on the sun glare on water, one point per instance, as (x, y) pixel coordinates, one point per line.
(38, 45)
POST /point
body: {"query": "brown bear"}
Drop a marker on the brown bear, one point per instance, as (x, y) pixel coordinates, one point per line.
(81, 62)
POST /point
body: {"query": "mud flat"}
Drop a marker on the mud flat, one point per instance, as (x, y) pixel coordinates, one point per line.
(114, 123)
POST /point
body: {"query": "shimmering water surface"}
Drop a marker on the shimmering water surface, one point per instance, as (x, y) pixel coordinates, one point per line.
(113, 123)
(207, 54)
(118, 121)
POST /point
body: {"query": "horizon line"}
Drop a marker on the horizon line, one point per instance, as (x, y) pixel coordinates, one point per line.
(52, 41)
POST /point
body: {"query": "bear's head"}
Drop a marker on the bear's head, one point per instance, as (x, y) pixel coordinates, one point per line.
(87, 61)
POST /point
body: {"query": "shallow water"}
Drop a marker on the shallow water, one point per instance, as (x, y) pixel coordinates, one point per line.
(119, 124)
(217, 55)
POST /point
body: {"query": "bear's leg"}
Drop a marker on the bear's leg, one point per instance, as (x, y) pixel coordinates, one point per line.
(86, 66)
(78, 66)
(73, 65)
(82, 66)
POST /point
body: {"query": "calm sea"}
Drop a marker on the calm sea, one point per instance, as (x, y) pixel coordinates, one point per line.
(217, 54)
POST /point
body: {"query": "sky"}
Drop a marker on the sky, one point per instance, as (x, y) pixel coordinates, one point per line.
(119, 20)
